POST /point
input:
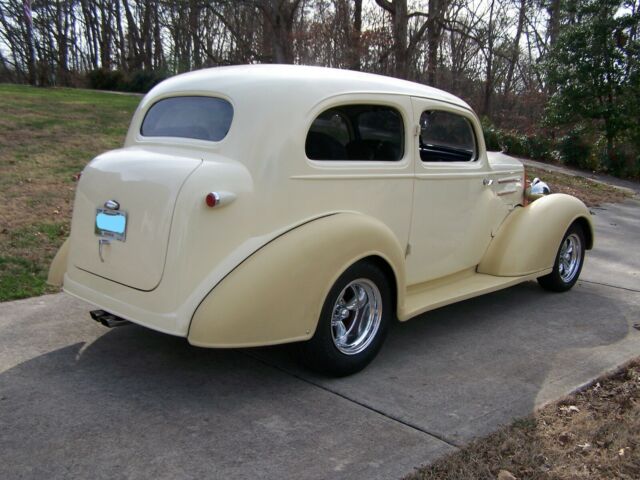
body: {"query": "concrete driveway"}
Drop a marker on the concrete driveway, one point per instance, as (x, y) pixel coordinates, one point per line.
(80, 401)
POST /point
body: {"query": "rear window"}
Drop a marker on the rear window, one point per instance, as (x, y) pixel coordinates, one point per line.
(202, 118)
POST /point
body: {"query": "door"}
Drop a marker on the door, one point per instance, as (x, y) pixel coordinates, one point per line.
(454, 205)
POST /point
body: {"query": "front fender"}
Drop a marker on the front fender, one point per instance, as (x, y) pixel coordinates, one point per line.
(276, 294)
(528, 240)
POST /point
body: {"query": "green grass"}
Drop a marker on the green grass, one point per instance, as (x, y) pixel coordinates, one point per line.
(47, 135)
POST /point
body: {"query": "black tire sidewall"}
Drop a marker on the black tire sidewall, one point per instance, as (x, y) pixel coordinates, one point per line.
(320, 353)
(554, 281)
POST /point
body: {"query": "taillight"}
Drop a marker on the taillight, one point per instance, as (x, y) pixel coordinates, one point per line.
(219, 199)
(212, 199)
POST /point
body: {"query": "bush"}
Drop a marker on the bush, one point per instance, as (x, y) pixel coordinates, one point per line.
(575, 149)
(103, 79)
(579, 147)
(139, 81)
(492, 136)
(515, 144)
(625, 162)
(142, 81)
(539, 147)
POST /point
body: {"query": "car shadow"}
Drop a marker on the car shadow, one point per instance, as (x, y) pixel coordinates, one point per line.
(134, 403)
(461, 371)
(135, 399)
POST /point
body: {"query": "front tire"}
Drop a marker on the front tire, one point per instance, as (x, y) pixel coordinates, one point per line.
(568, 264)
(353, 323)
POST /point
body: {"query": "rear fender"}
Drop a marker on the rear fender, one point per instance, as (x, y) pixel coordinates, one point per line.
(59, 265)
(528, 240)
(276, 294)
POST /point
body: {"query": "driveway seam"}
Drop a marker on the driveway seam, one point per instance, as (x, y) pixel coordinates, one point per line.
(611, 286)
(368, 407)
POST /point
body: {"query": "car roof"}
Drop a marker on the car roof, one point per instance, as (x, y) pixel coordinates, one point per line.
(293, 83)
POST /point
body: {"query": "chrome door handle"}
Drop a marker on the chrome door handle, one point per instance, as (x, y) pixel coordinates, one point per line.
(487, 182)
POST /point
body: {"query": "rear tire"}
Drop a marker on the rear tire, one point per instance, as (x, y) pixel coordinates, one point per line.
(569, 261)
(353, 323)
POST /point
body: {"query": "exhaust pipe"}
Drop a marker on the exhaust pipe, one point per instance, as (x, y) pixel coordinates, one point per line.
(107, 319)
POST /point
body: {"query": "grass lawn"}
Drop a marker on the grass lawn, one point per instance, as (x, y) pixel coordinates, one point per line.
(46, 137)
(590, 192)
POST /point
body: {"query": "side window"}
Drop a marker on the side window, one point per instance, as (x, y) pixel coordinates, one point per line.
(446, 137)
(356, 133)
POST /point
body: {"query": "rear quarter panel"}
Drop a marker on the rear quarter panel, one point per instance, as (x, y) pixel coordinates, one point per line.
(276, 295)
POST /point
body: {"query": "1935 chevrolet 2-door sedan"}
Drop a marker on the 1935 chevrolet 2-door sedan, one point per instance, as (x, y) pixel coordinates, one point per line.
(259, 205)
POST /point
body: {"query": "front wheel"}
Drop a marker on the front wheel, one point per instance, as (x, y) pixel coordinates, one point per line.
(353, 322)
(568, 264)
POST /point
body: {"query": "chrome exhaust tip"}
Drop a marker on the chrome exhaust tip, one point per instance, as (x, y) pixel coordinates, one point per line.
(107, 319)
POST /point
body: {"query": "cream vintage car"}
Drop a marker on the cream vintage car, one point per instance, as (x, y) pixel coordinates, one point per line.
(261, 205)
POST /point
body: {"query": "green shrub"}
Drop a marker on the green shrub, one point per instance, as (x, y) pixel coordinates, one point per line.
(142, 81)
(515, 144)
(575, 149)
(625, 162)
(139, 81)
(539, 147)
(492, 136)
(579, 147)
(103, 79)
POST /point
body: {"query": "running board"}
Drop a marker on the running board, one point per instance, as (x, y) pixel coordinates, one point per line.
(431, 295)
(107, 319)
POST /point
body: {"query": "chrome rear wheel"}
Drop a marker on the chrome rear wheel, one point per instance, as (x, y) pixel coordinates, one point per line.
(356, 316)
(353, 322)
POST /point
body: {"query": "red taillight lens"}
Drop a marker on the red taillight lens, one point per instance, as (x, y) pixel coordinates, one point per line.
(212, 199)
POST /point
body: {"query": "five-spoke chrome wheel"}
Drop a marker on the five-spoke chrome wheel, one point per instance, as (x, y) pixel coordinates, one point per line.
(568, 264)
(569, 258)
(356, 316)
(353, 322)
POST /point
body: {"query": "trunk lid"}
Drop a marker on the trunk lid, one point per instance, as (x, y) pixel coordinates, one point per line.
(145, 185)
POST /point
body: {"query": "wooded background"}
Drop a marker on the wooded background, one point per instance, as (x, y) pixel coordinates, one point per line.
(539, 72)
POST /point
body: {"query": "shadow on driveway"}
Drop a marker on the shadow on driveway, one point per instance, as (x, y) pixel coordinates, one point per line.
(134, 403)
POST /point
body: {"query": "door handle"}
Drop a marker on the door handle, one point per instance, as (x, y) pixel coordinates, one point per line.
(487, 182)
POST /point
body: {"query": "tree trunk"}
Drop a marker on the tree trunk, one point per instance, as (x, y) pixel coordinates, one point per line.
(516, 47)
(488, 86)
(279, 16)
(356, 37)
(31, 51)
(399, 19)
(555, 14)
(122, 45)
(433, 40)
(106, 13)
(400, 24)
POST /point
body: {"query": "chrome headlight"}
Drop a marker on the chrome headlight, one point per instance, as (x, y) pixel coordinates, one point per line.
(538, 187)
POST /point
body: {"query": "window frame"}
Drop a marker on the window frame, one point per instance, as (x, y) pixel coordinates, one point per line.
(360, 100)
(143, 139)
(476, 147)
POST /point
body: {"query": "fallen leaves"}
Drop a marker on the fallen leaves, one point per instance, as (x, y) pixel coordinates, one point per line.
(591, 435)
(570, 409)
(506, 475)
